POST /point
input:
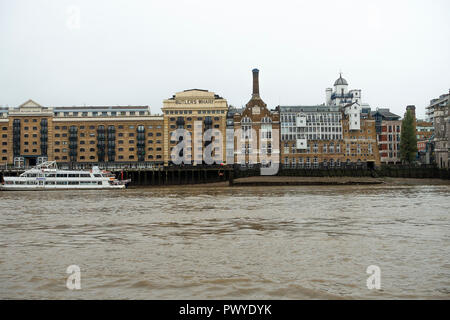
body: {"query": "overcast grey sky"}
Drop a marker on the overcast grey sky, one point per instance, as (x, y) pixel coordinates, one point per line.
(141, 52)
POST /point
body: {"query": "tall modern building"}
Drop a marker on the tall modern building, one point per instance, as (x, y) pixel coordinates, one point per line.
(437, 103)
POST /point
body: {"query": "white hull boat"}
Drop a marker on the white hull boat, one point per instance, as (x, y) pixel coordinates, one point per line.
(47, 176)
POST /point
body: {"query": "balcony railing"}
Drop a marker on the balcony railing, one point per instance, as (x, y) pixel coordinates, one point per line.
(342, 96)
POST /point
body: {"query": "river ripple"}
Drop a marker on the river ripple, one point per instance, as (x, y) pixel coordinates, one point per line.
(224, 243)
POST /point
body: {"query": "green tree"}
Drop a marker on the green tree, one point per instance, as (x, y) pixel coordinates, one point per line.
(408, 139)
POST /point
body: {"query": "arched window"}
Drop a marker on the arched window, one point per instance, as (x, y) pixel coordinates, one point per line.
(246, 120)
(246, 126)
(316, 162)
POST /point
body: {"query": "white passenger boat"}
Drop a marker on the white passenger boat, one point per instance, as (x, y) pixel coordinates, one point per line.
(47, 176)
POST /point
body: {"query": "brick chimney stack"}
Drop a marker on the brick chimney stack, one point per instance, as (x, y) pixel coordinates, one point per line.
(255, 83)
(412, 108)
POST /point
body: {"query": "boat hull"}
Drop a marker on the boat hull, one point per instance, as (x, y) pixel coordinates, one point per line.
(55, 188)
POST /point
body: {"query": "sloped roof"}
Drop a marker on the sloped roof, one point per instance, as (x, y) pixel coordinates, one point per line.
(385, 114)
(30, 103)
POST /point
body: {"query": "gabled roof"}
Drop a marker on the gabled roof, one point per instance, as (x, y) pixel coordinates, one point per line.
(204, 90)
(385, 114)
(30, 103)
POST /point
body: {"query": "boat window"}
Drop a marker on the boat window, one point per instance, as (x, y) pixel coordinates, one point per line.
(74, 182)
(97, 175)
(62, 175)
(61, 182)
(50, 175)
(85, 175)
(99, 183)
(74, 175)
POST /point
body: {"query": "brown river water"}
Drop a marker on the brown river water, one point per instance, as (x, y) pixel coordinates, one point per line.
(227, 243)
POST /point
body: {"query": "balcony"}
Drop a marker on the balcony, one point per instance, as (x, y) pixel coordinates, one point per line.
(342, 96)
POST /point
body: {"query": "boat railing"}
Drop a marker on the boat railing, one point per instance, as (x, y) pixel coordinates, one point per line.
(112, 166)
(47, 165)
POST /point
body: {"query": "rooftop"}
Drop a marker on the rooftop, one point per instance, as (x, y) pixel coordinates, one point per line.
(385, 114)
(341, 81)
(316, 108)
(439, 101)
(195, 94)
(100, 108)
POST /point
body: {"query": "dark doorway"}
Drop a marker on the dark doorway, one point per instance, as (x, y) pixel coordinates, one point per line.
(370, 165)
(32, 162)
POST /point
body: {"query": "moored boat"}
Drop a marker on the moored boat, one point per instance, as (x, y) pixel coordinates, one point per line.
(47, 176)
